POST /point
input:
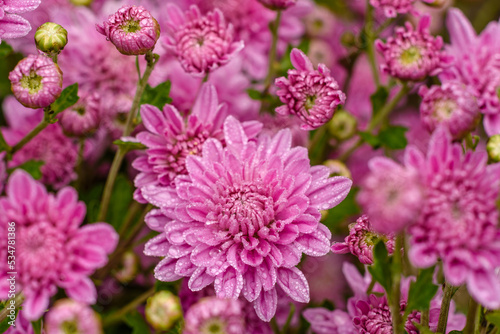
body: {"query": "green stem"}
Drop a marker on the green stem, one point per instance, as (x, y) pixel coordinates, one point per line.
(272, 54)
(129, 218)
(19, 299)
(120, 154)
(395, 297)
(472, 313)
(39, 128)
(424, 319)
(274, 326)
(79, 163)
(3, 144)
(370, 39)
(445, 308)
(289, 319)
(118, 315)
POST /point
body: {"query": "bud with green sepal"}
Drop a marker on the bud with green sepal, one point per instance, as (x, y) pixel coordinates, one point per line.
(163, 310)
(343, 125)
(493, 148)
(51, 38)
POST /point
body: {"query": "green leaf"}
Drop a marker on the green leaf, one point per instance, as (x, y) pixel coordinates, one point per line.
(135, 321)
(494, 318)
(121, 198)
(157, 96)
(254, 94)
(372, 140)
(393, 137)
(379, 99)
(424, 330)
(421, 291)
(5, 49)
(69, 97)
(7, 322)
(177, 329)
(381, 267)
(129, 145)
(498, 92)
(37, 326)
(33, 168)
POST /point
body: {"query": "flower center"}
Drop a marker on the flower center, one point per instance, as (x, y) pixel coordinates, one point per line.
(310, 102)
(444, 109)
(213, 326)
(32, 82)
(410, 56)
(70, 327)
(131, 26)
(80, 110)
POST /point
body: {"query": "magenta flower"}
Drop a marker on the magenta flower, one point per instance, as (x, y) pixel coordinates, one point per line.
(278, 4)
(52, 249)
(413, 54)
(214, 315)
(324, 321)
(242, 217)
(83, 118)
(200, 43)
(391, 195)
(171, 139)
(477, 64)
(452, 105)
(361, 240)
(391, 8)
(36, 81)
(3, 170)
(69, 316)
(22, 325)
(11, 24)
(132, 30)
(459, 217)
(311, 95)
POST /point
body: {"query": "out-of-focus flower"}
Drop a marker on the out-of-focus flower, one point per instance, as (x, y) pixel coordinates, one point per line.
(342, 125)
(69, 316)
(361, 240)
(493, 148)
(22, 325)
(11, 24)
(272, 124)
(452, 105)
(459, 218)
(413, 54)
(311, 95)
(52, 249)
(128, 267)
(201, 43)
(391, 195)
(83, 118)
(132, 30)
(338, 168)
(214, 315)
(51, 37)
(36, 81)
(237, 220)
(391, 8)
(163, 310)
(278, 4)
(324, 321)
(3, 170)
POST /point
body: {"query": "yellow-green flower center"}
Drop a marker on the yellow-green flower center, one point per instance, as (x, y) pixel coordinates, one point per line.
(410, 56)
(444, 109)
(32, 82)
(310, 102)
(213, 326)
(131, 26)
(70, 327)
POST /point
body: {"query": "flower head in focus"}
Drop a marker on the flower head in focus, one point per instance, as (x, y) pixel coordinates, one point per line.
(36, 81)
(311, 95)
(52, 250)
(69, 316)
(242, 217)
(132, 30)
(214, 315)
(11, 24)
(201, 43)
(413, 54)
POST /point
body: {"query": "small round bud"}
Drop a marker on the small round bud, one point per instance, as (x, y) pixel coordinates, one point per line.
(69, 316)
(36, 81)
(338, 168)
(81, 2)
(163, 310)
(493, 147)
(343, 125)
(51, 37)
(128, 268)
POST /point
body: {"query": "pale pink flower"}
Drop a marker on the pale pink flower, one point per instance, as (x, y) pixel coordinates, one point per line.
(201, 43)
(52, 250)
(413, 54)
(36, 81)
(391, 8)
(311, 95)
(452, 105)
(459, 217)
(11, 24)
(69, 316)
(132, 30)
(278, 4)
(83, 118)
(214, 315)
(242, 218)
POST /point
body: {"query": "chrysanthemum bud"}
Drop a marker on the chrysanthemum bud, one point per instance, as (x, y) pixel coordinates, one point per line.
(132, 30)
(338, 168)
(69, 316)
(128, 267)
(163, 310)
(493, 147)
(51, 37)
(278, 4)
(343, 125)
(36, 81)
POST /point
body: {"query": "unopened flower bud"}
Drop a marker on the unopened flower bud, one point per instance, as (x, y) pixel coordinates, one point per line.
(163, 310)
(343, 125)
(493, 147)
(128, 268)
(69, 316)
(36, 81)
(338, 168)
(51, 37)
(278, 4)
(81, 2)
(132, 30)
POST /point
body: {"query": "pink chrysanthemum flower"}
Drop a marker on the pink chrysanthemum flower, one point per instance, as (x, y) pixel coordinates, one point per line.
(202, 43)
(132, 30)
(278, 4)
(36, 81)
(11, 24)
(242, 218)
(170, 138)
(69, 316)
(459, 217)
(391, 8)
(311, 95)
(52, 250)
(477, 64)
(452, 105)
(391, 195)
(3, 170)
(361, 240)
(413, 54)
(214, 315)
(82, 118)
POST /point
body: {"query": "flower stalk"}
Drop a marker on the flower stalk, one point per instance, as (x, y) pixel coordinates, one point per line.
(395, 296)
(445, 307)
(272, 54)
(47, 119)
